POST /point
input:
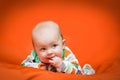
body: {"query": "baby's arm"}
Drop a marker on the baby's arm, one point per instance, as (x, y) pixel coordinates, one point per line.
(70, 65)
(33, 61)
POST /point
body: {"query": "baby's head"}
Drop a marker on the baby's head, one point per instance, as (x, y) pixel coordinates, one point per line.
(47, 40)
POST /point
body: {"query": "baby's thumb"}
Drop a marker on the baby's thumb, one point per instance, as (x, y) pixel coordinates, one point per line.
(51, 62)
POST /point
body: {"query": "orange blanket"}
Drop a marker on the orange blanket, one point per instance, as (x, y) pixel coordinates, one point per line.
(15, 72)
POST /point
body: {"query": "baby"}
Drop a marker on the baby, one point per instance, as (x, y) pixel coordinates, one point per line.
(50, 52)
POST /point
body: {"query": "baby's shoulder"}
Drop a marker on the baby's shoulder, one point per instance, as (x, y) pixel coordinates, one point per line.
(67, 51)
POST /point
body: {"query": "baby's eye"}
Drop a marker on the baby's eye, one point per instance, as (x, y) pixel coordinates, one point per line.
(42, 49)
(54, 46)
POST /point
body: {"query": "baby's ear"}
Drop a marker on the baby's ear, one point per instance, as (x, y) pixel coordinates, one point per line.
(64, 40)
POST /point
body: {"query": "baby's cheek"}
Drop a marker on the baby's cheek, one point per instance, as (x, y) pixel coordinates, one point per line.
(59, 53)
(41, 57)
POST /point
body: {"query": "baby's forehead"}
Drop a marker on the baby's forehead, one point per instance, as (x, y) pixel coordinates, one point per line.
(46, 37)
(46, 32)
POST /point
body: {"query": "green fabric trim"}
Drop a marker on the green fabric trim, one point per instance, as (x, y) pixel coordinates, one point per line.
(23, 64)
(63, 54)
(35, 56)
(86, 69)
(76, 65)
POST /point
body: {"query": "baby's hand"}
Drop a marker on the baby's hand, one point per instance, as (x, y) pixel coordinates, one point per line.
(56, 61)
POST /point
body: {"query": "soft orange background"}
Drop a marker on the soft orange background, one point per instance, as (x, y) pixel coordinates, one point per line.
(91, 28)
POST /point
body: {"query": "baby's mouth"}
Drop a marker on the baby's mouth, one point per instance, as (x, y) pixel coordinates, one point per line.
(50, 58)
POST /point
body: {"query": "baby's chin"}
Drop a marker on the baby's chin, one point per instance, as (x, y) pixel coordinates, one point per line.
(45, 62)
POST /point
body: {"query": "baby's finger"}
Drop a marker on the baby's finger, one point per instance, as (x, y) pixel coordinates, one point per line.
(51, 61)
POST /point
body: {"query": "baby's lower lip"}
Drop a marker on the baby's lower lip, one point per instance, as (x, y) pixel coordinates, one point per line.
(51, 57)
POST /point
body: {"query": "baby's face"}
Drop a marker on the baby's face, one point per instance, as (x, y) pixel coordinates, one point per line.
(49, 47)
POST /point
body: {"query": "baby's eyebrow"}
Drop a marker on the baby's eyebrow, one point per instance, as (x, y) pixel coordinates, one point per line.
(41, 46)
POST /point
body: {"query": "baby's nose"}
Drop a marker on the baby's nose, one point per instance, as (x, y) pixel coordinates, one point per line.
(49, 52)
